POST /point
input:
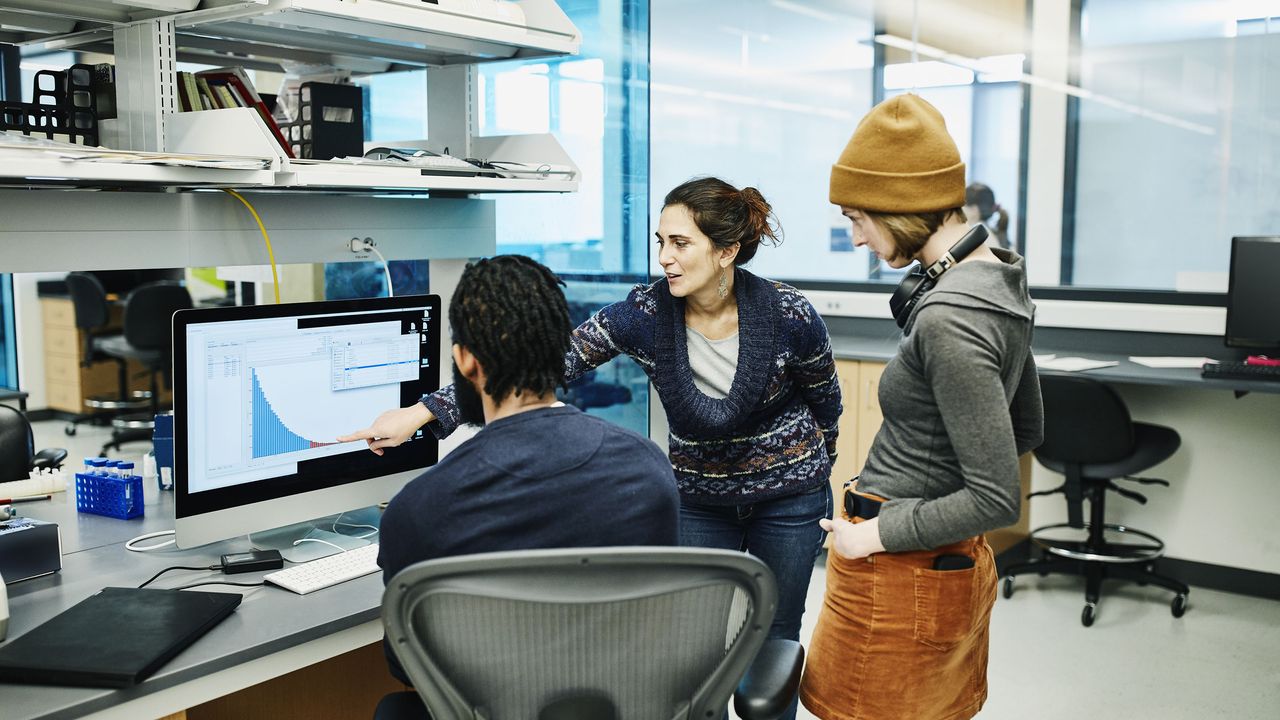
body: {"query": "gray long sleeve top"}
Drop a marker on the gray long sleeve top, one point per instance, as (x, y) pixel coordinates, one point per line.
(961, 402)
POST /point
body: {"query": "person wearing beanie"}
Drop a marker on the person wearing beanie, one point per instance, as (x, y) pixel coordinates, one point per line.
(745, 371)
(903, 632)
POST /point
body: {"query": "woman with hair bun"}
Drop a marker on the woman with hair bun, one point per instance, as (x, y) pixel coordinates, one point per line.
(744, 369)
(980, 206)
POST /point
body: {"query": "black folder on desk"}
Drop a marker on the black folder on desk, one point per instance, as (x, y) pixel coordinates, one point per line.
(115, 638)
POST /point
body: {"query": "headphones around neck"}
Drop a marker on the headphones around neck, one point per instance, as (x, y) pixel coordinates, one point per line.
(920, 281)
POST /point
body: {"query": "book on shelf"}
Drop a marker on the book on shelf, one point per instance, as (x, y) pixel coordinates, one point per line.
(206, 94)
(235, 82)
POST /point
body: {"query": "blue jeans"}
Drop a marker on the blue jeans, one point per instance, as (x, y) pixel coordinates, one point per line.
(782, 532)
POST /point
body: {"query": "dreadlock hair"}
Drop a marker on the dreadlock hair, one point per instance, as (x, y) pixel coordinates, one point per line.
(510, 312)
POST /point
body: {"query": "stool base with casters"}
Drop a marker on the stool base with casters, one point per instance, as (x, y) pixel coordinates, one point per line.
(137, 427)
(1097, 559)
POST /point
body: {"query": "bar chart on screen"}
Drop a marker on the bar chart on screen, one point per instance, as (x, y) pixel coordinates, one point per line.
(295, 413)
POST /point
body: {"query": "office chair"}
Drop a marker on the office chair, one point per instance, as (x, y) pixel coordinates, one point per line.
(18, 456)
(147, 338)
(1090, 438)
(637, 633)
(92, 313)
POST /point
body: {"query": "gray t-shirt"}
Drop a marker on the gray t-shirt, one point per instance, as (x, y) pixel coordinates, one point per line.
(713, 362)
(961, 403)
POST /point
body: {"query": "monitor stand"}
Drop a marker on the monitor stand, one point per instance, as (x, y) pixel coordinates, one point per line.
(313, 539)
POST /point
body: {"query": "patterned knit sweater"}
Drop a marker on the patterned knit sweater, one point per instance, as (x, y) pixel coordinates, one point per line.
(773, 435)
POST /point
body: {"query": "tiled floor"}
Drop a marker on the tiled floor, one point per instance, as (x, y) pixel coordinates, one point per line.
(1222, 660)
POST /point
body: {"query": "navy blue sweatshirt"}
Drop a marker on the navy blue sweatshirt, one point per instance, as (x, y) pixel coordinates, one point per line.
(547, 478)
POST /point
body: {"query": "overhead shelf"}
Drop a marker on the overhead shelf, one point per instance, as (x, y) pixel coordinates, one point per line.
(363, 36)
(24, 22)
(332, 175)
(38, 169)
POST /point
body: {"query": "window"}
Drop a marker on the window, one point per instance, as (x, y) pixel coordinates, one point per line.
(596, 106)
(764, 94)
(395, 105)
(734, 96)
(1177, 145)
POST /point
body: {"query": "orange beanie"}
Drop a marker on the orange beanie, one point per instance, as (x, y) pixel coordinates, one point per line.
(899, 160)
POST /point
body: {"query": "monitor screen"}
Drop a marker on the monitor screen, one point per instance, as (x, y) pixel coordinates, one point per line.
(261, 394)
(1253, 297)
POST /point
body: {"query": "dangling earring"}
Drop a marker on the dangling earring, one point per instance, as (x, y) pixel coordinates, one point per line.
(723, 287)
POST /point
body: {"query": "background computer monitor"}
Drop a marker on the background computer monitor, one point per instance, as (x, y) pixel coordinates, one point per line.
(262, 392)
(1253, 294)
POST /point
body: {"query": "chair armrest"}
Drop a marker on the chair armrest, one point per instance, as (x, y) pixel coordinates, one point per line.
(49, 458)
(770, 684)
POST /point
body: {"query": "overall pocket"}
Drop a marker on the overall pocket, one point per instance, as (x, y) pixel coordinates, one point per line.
(944, 606)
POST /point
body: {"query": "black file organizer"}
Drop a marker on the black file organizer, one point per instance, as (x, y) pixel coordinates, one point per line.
(330, 122)
(64, 107)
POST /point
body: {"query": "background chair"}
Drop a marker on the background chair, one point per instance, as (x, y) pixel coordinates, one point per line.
(1090, 438)
(93, 314)
(18, 456)
(147, 338)
(588, 634)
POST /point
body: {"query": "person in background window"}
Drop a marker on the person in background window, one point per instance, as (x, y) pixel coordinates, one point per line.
(911, 580)
(744, 368)
(980, 206)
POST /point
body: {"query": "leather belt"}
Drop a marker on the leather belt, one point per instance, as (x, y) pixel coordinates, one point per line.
(860, 505)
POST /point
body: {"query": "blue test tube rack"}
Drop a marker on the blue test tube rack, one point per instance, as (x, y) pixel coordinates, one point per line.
(112, 496)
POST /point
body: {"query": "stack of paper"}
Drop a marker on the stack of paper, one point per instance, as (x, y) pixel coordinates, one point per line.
(1075, 364)
(1169, 361)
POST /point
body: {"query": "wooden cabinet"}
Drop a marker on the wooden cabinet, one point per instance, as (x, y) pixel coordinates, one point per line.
(67, 384)
(859, 385)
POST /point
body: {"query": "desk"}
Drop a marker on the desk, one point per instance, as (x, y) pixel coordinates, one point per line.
(883, 349)
(271, 633)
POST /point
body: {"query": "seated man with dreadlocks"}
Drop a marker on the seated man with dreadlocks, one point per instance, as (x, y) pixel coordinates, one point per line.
(539, 474)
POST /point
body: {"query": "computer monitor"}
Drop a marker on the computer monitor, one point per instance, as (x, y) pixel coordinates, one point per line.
(262, 392)
(1253, 294)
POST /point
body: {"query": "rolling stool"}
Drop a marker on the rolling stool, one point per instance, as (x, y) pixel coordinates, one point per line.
(1090, 438)
(147, 338)
(92, 312)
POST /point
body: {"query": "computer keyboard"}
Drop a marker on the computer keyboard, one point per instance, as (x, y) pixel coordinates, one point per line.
(1232, 370)
(327, 571)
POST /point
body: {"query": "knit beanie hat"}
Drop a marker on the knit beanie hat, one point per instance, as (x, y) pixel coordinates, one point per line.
(899, 160)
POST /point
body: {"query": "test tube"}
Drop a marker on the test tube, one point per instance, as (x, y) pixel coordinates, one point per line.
(124, 469)
(88, 465)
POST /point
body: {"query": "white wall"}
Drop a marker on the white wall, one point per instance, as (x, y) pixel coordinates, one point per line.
(1225, 482)
(30, 335)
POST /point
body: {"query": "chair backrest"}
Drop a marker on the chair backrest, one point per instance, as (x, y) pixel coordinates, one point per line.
(148, 314)
(656, 632)
(1085, 422)
(17, 446)
(89, 300)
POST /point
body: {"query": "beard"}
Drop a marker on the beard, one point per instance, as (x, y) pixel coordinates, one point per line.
(470, 407)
